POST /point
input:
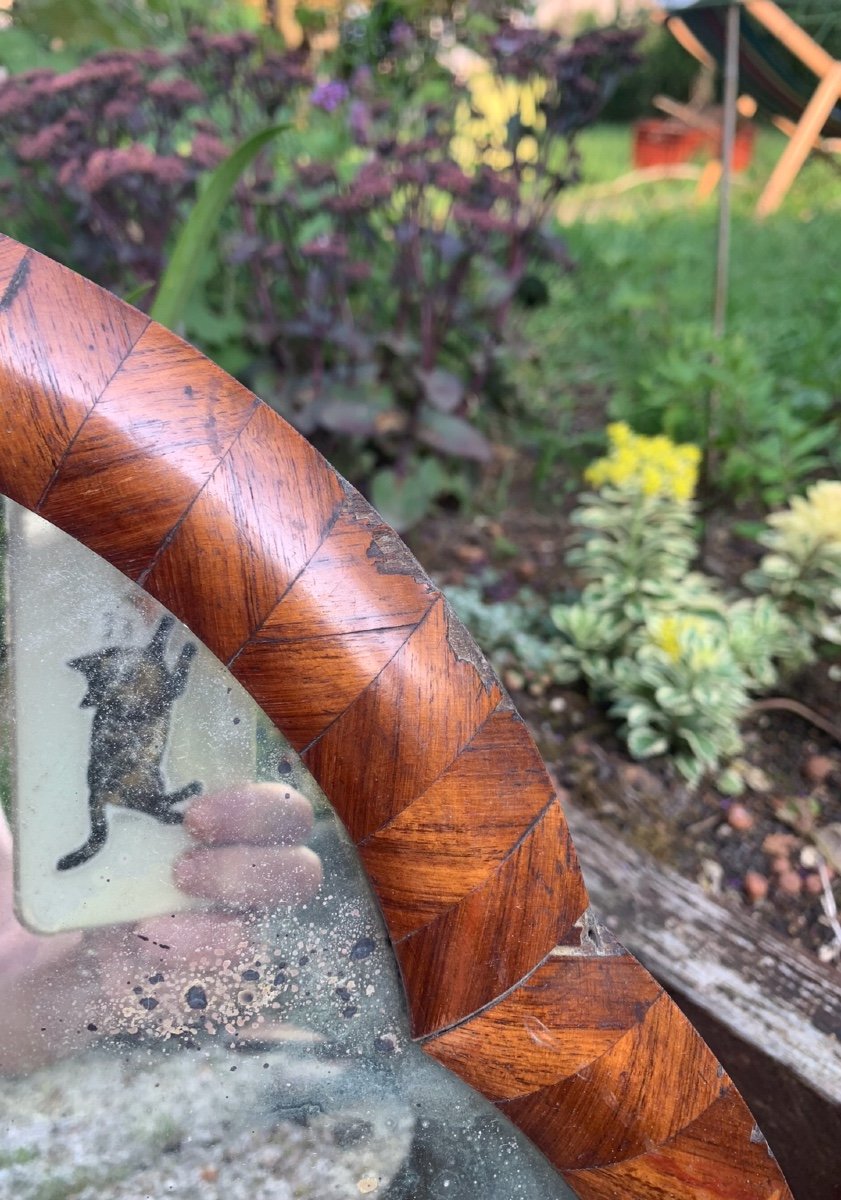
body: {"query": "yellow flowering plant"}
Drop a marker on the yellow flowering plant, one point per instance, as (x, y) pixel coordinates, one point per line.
(682, 691)
(803, 569)
(483, 124)
(674, 658)
(638, 529)
(654, 467)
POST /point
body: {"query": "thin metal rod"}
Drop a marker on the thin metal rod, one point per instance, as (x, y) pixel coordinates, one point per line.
(728, 139)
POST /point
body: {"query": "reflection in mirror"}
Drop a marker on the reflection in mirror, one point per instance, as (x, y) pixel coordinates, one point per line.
(197, 995)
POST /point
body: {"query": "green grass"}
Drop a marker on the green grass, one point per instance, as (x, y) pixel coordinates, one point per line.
(643, 289)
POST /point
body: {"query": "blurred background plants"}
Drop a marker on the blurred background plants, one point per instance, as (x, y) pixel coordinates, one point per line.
(391, 274)
(674, 657)
(362, 279)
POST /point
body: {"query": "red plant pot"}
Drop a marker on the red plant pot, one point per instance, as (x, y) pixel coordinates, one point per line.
(665, 142)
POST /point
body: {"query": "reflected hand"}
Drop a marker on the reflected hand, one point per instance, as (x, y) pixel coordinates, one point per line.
(56, 991)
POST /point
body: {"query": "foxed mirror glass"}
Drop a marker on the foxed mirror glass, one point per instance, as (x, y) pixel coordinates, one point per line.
(197, 993)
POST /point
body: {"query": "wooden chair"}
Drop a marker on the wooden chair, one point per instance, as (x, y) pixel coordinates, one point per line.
(131, 441)
(778, 65)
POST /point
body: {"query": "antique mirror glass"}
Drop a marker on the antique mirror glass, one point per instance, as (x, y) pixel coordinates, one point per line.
(197, 993)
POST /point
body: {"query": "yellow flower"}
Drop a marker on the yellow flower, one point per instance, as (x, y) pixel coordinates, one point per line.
(814, 519)
(688, 639)
(652, 466)
(482, 125)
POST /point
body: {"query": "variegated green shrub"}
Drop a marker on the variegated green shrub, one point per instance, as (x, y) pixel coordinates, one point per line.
(670, 654)
(674, 658)
(803, 569)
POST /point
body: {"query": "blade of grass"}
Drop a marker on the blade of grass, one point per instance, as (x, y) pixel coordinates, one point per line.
(137, 293)
(200, 228)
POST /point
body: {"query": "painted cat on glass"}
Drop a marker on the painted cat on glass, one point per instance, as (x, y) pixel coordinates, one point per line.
(132, 691)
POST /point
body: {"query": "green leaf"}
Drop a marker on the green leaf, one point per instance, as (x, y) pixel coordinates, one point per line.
(690, 768)
(639, 714)
(199, 231)
(452, 435)
(702, 746)
(405, 499)
(354, 418)
(730, 783)
(442, 389)
(645, 743)
(135, 294)
(208, 326)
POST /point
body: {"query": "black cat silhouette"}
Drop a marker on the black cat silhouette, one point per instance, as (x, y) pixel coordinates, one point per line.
(131, 690)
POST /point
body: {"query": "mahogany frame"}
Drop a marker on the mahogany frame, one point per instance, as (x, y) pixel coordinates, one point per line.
(148, 453)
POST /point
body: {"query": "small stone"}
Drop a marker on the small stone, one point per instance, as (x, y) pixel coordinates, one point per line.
(470, 555)
(368, 1183)
(789, 883)
(513, 680)
(818, 767)
(781, 864)
(209, 1174)
(756, 886)
(711, 876)
(196, 997)
(755, 778)
(739, 818)
(557, 704)
(812, 885)
(779, 843)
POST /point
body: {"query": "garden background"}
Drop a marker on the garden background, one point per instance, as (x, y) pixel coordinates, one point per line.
(431, 253)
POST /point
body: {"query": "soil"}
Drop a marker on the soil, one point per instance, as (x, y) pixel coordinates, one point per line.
(754, 852)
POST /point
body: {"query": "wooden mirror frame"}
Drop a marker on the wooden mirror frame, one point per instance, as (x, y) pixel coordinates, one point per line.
(133, 442)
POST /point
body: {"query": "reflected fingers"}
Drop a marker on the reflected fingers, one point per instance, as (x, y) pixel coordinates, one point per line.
(250, 876)
(268, 814)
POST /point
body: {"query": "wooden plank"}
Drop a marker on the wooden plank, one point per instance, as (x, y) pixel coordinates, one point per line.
(721, 958)
(771, 1013)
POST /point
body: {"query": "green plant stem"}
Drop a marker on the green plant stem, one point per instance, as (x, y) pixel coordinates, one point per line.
(182, 272)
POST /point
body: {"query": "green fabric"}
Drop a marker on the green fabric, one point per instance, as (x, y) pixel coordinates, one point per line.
(777, 80)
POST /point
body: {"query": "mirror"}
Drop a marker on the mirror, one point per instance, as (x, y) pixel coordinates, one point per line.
(197, 991)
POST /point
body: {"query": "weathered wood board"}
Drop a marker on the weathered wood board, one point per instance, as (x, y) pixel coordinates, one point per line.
(771, 1013)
